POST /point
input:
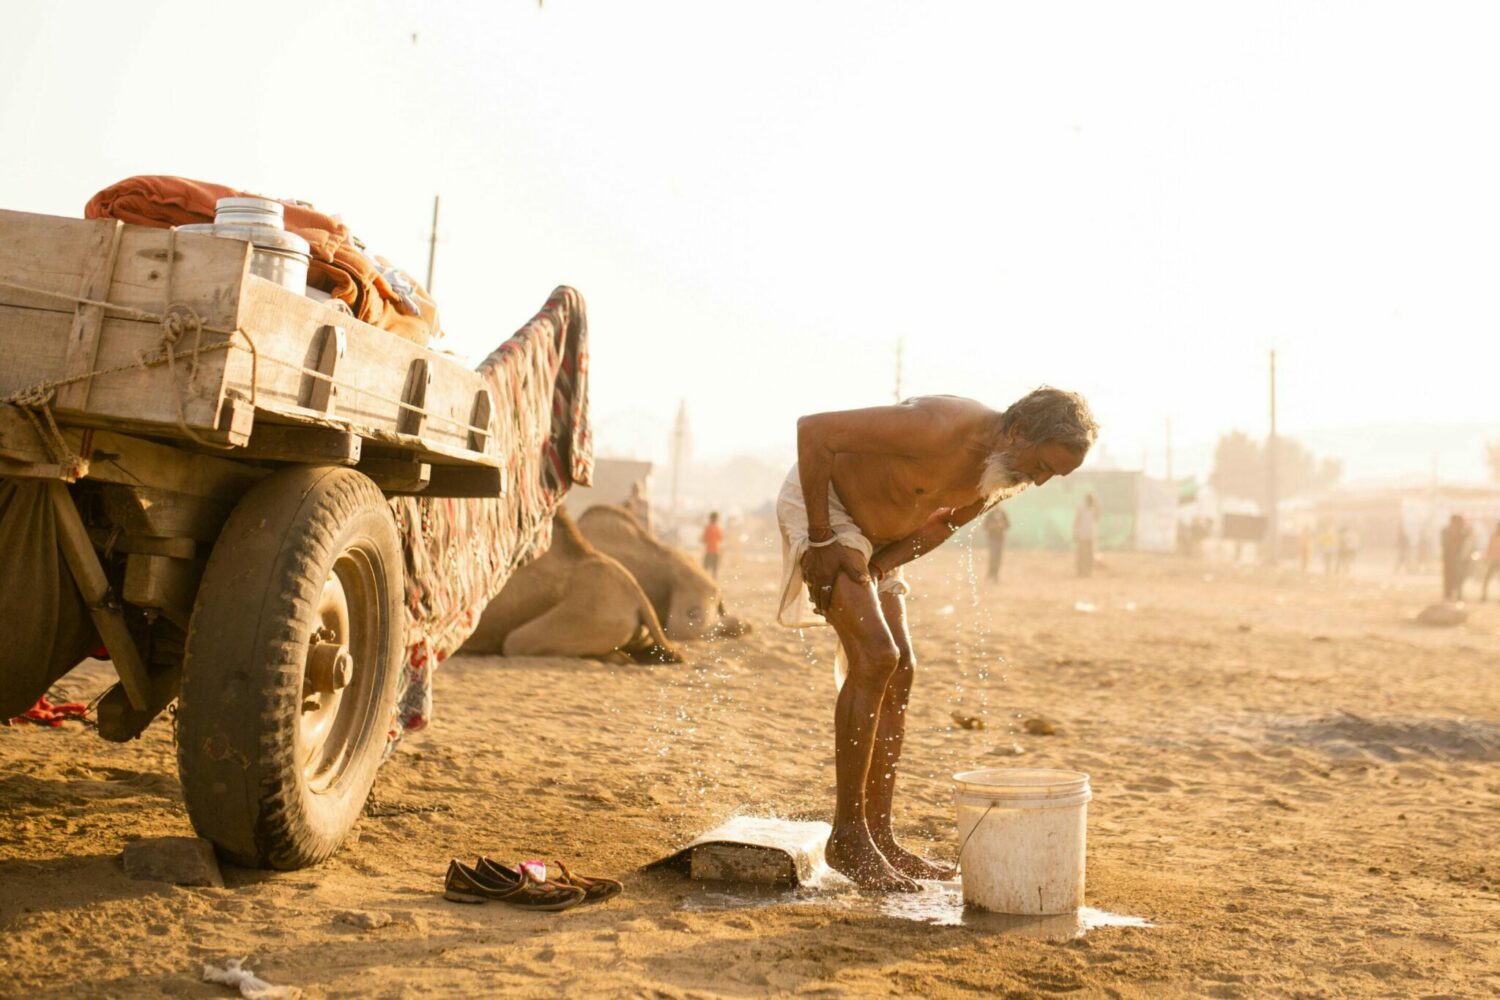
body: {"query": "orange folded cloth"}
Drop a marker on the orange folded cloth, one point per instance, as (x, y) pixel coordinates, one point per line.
(375, 290)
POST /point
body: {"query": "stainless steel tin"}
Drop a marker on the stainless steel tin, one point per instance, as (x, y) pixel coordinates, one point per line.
(250, 212)
(278, 255)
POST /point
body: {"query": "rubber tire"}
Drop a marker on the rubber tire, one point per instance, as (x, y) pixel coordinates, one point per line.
(241, 699)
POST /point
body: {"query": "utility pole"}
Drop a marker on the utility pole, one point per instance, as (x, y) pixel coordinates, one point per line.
(679, 454)
(900, 348)
(1272, 528)
(432, 244)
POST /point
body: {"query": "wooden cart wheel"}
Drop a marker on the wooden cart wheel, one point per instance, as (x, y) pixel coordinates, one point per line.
(292, 667)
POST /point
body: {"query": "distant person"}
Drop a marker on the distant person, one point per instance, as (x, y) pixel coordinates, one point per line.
(996, 524)
(713, 540)
(1348, 549)
(1457, 542)
(1491, 561)
(1328, 546)
(1403, 550)
(638, 505)
(1304, 547)
(1085, 534)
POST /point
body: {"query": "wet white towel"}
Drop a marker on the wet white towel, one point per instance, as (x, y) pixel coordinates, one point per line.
(791, 515)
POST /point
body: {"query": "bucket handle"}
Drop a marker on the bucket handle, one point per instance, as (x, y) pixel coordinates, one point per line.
(972, 829)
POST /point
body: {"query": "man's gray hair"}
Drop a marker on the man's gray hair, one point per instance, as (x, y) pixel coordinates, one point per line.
(1048, 414)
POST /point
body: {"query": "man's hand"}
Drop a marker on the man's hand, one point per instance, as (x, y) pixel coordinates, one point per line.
(822, 565)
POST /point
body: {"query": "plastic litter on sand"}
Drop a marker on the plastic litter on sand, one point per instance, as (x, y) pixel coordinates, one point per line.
(251, 986)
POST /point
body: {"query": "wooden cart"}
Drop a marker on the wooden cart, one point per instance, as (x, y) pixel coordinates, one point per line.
(218, 452)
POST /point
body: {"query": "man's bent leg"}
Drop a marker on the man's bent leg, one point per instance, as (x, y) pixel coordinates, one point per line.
(872, 654)
(880, 787)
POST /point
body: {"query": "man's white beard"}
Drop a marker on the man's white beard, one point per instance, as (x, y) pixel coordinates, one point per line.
(999, 479)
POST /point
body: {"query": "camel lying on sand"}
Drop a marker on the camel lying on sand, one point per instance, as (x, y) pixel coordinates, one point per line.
(572, 601)
(686, 599)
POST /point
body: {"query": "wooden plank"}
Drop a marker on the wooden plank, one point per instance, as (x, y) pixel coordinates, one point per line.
(88, 320)
(32, 350)
(169, 585)
(427, 451)
(142, 510)
(372, 374)
(382, 444)
(33, 345)
(479, 417)
(46, 336)
(413, 417)
(312, 445)
(49, 253)
(103, 606)
(52, 254)
(133, 461)
(236, 421)
(397, 476)
(177, 548)
(153, 393)
(465, 481)
(119, 721)
(319, 393)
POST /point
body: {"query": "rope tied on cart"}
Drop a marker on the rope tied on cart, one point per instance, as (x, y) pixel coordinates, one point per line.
(35, 400)
(177, 320)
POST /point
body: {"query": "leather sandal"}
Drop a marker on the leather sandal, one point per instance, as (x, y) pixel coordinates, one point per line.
(472, 885)
(596, 889)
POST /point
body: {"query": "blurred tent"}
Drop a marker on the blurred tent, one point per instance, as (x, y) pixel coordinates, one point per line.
(1135, 511)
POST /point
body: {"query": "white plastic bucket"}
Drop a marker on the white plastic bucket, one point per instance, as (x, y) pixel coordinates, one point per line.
(1021, 833)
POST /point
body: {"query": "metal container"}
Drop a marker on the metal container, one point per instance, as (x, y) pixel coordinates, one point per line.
(278, 255)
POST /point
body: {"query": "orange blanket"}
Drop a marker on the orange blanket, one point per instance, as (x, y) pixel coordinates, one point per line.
(377, 292)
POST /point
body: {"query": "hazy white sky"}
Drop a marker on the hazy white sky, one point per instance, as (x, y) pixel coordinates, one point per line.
(758, 200)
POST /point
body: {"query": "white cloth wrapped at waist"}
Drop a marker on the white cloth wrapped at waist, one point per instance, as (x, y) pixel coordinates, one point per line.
(796, 609)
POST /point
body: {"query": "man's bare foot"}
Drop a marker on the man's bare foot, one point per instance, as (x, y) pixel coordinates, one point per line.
(857, 859)
(912, 865)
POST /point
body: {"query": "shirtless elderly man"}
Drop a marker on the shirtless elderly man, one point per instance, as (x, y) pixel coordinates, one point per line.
(874, 489)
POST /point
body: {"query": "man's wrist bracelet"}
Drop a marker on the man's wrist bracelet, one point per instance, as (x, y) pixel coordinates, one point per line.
(824, 543)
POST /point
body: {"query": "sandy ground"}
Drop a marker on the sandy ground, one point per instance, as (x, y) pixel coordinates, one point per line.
(1300, 788)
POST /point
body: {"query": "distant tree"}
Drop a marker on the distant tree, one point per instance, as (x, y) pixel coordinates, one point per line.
(1240, 468)
(1492, 458)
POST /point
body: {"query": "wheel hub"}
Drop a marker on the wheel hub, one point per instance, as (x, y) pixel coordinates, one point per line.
(336, 689)
(330, 667)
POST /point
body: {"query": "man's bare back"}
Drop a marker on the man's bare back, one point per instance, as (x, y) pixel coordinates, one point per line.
(891, 494)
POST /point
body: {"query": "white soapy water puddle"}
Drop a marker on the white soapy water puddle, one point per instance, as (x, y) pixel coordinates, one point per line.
(940, 904)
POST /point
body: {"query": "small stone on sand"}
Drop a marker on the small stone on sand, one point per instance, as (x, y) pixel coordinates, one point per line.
(365, 920)
(1008, 750)
(1039, 726)
(966, 721)
(180, 860)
